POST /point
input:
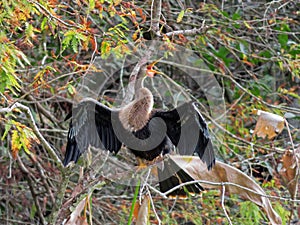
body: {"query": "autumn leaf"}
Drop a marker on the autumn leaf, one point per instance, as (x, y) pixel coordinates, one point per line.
(180, 16)
(136, 210)
(289, 170)
(222, 172)
(268, 124)
(75, 217)
(143, 16)
(22, 137)
(105, 49)
(143, 212)
(15, 144)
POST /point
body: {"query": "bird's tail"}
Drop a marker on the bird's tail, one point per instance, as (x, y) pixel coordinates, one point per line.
(171, 175)
(72, 152)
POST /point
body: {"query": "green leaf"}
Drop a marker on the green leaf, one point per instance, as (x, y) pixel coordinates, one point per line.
(136, 192)
(7, 128)
(66, 42)
(250, 213)
(236, 16)
(91, 4)
(223, 54)
(255, 91)
(283, 213)
(74, 44)
(29, 30)
(71, 89)
(44, 23)
(283, 39)
(81, 37)
(24, 139)
(33, 211)
(180, 16)
(105, 49)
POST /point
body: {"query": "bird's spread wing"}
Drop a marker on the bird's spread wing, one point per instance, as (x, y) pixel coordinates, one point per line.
(91, 125)
(188, 131)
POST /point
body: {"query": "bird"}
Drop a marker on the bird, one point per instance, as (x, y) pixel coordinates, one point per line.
(147, 132)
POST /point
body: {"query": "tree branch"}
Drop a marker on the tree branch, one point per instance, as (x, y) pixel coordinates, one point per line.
(193, 31)
(155, 16)
(31, 187)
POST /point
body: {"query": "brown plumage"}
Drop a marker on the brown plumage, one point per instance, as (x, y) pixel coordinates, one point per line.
(136, 115)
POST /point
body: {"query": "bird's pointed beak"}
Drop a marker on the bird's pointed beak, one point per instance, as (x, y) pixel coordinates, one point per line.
(150, 72)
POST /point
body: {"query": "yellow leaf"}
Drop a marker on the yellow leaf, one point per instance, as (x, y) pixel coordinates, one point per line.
(105, 48)
(117, 2)
(180, 16)
(135, 35)
(15, 143)
(247, 25)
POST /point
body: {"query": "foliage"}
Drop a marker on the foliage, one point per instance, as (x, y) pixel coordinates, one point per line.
(48, 46)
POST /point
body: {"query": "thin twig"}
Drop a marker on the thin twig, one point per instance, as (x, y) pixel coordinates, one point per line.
(231, 78)
(164, 195)
(193, 31)
(51, 16)
(44, 111)
(32, 190)
(223, 206)
(153, 207)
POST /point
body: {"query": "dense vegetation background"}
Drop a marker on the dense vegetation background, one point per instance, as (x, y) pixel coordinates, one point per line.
(48, 46)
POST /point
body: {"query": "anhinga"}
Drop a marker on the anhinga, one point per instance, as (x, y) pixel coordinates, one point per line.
(147, 132)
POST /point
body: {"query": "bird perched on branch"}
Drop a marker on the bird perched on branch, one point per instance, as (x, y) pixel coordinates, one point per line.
(148, 133)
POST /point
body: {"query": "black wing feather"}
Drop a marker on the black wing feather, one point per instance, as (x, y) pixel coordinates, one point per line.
(188, 131)
(90, 125)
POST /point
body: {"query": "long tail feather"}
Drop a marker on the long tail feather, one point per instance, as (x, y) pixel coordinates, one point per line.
(171, 175)
(72, 153)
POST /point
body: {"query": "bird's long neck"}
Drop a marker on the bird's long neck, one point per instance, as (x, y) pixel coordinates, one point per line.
(135, 115)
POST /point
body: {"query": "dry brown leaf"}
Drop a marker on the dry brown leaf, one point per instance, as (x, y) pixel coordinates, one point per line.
(136, 209)
(222, 172)
(143, 214)
(75, 217)
(268, 124)
(288, 171)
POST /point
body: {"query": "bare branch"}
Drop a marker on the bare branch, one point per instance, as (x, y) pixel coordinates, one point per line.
(155, 16)
(223, 206)
(164, 195)
(193, 31)
(32, 190)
